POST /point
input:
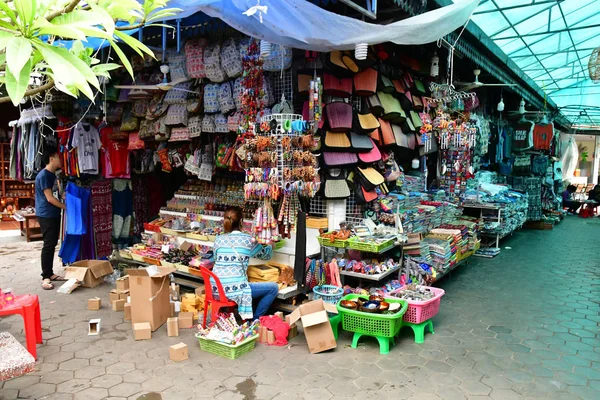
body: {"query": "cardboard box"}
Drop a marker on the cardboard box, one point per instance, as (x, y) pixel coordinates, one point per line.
(142, 331)
(118, 305)
(317, 329)
(149, 292)
(200, 290)
(89, 272)
(94, 327)
(172, 309)
(127, 312)
(293, 332)
(123, 284)
(185, 320)
(112, 296)
(173, 326)
(178, 352)
(94, 304)
(123, 295)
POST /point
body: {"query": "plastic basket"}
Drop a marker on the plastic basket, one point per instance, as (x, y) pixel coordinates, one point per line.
(328, 293)
(383, 325)
(354, 244)
(228, 350)
(336, 243)
(419, 311)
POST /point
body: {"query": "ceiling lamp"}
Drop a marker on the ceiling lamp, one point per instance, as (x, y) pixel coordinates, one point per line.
(265, 48)
(360, 51)
(501, 105)
(435, 66)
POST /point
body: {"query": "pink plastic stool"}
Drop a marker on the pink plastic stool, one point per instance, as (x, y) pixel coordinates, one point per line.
(28, 306)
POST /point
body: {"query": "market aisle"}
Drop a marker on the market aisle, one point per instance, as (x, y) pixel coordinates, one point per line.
(522, 325)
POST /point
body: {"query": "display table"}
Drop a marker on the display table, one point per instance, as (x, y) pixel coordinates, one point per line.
(27, 229)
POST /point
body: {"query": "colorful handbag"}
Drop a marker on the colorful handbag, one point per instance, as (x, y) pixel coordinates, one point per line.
(385, 84)
(238, 92)
(178, 94)
(362, 196)
(135, 143)
(177, 66)
(226, 102)
(140, 108)
(129, 122)
(177, 115)
(336, 186)
(361, 143)
(374, 155)
(366, 122)
(211, 98)
(365, 82)
(233, 121)
(212, 63)
(221, 123)
(231, 60)
(369, 178)
(181, 134)
(339, 116)
(157, 107)
(387, 134)
(338, 159)
(392, 110)
(194, 57)
(337, 141)
(338, 87)
(208, 123)
(195, 126)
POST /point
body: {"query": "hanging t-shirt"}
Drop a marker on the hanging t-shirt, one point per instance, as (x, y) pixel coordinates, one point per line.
(523, 135)
(542, 136)
(116, 155)
(87, 141)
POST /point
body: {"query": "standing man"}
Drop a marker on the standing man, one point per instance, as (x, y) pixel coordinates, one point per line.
(47, 209)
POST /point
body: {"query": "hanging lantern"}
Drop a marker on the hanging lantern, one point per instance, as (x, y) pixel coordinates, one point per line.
(501, 104)
(360, 51)
(522, 107)
(415, 163)
(435, 66)
(265, 48)
(165, 70)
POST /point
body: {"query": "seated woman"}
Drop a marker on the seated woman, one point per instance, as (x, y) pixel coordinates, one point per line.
(233, 250)
(568, 202)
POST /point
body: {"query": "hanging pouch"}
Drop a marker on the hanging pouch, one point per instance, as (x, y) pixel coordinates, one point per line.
(338, 87)
(337, 141)
(338, 159)
(374, 155)
(366, 122)
(365, 82)
(369, 178)
(339, 116)
(364, 196)
(361, 143)
(336, 186)
(387, 134)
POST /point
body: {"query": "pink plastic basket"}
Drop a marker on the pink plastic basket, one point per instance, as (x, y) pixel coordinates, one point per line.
(419, 311)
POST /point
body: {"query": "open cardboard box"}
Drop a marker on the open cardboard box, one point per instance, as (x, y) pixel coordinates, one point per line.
(317, 329)
(89, 272)
(150, 297)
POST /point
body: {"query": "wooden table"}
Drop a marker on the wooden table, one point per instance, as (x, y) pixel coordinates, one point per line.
(30, 232)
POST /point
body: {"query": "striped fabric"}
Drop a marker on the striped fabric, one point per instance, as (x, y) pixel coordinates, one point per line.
(232, 253)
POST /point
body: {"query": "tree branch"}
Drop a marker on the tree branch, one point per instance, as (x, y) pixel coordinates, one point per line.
(126, 28)
(70, 7)
(47, 86)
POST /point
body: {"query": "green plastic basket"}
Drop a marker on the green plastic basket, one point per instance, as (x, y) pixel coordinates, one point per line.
(227, 350)
(354, 244)
(336, 243)
(383, 325)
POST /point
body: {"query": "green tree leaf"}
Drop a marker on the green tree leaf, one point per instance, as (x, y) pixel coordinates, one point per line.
(8, 11)
(5, 37)
(104, 18)
(17, 85)
(18, 52)
(26, 10)
(123, 59)
(135, 44)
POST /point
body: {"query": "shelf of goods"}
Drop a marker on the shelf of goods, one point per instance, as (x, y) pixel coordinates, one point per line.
(374, 277)
(508, 219)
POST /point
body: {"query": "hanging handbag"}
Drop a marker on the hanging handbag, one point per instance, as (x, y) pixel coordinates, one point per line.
(376, 136)
(194, 57)
(225, 96)
(140, 108)
(392, 110)
(231, 60)
(337, 141)
(363, 196)
(336, 186)
(177, 66)
(211, 98)
(385, 84)
(279, 58)
(181, 134)
(178, 94)
(365, 122)
(338, 159)
(339, 116)
(387, 134)
(129, 122)
(195, 126)
(157, 107)
(337, 87)
(238, 92)
(212, 64)
(369, 178)
(361, 143)
(135, 143)
(177, 115)
(416, 120)
(374, 155)
(221, 123)
(208, 123)
(365, 82)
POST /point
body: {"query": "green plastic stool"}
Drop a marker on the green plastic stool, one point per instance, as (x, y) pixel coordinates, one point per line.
(384, 342)
(335, 323)
(419, 329)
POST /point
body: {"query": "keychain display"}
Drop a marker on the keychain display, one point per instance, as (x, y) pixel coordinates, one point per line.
(265, 226)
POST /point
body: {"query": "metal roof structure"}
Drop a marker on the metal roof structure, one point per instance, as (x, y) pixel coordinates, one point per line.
(551, 41)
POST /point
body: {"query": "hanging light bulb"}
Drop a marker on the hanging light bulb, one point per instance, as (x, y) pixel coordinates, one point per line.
(522, 107)
(165, 70)
(415, 163)
(435, 65)
(265, 48)
(361, 50)
(501, 104)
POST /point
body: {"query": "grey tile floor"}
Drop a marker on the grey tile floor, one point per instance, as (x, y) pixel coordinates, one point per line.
(521, 326)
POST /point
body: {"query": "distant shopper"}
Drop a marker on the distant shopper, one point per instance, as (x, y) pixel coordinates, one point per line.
(568, 201)
(233, 250)
(47, 209)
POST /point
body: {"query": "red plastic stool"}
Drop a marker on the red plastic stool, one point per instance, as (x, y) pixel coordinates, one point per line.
(215, 305)
(28, 306)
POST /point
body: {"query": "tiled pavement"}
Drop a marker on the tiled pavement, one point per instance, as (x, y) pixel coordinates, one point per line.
(521, 326)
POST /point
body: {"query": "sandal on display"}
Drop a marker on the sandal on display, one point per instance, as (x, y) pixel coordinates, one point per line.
(57, 278)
